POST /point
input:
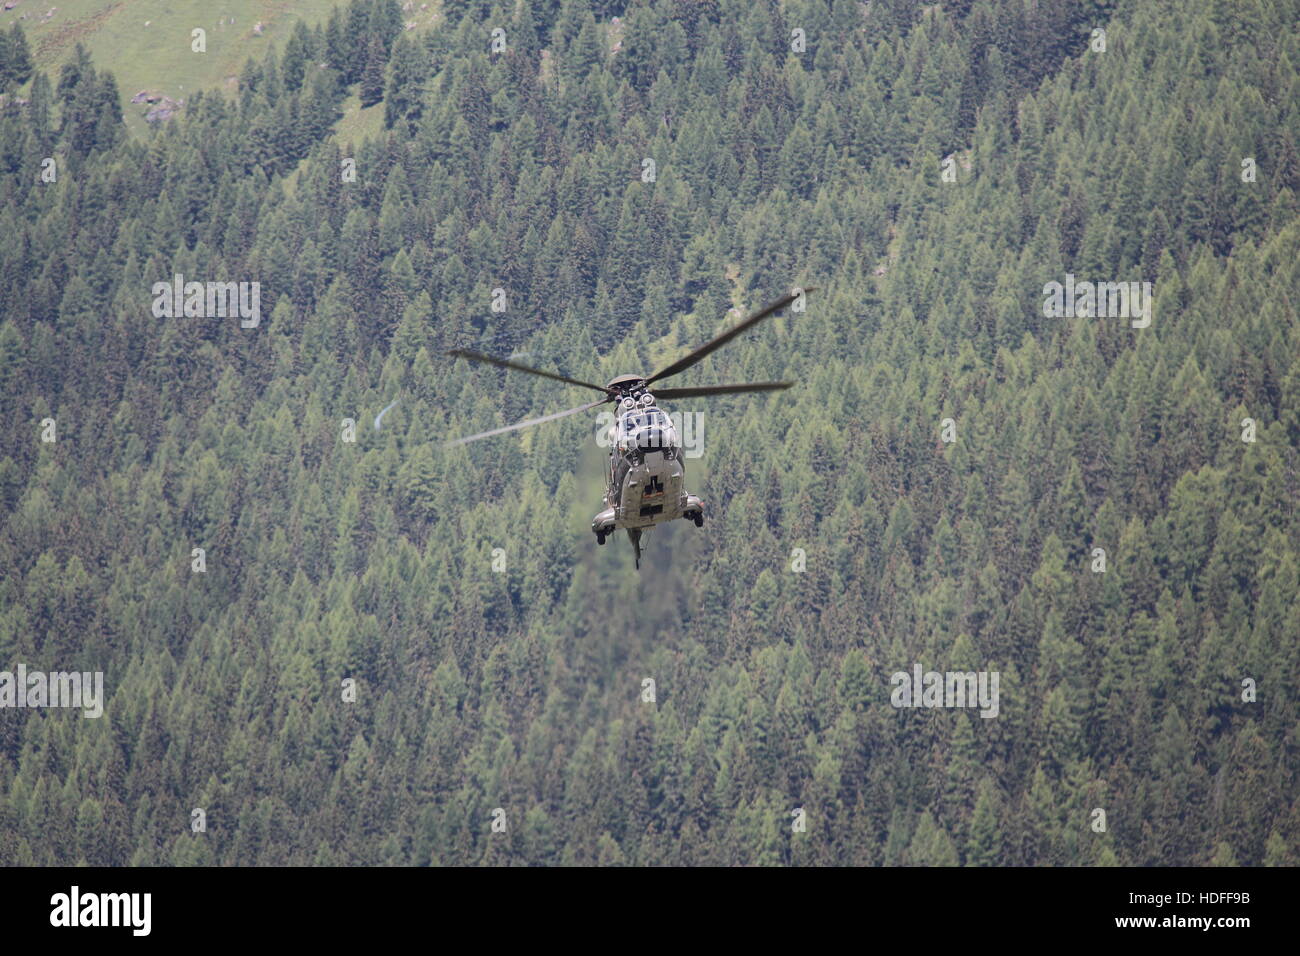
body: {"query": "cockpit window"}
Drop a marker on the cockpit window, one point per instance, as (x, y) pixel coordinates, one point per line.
(632, 422)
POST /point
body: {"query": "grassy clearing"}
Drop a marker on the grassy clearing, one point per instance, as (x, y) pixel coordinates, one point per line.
(146, 44)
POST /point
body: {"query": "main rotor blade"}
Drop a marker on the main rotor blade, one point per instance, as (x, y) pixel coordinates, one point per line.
(525, 424)
(703, 390)
(503, 363)
(683, 364)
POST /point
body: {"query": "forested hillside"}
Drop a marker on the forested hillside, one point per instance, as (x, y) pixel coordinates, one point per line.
(930, 169)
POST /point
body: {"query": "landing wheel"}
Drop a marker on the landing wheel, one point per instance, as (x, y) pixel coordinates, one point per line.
(698, 519)
(600, 538)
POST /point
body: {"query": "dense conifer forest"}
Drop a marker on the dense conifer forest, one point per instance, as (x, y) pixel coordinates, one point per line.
(386, 645)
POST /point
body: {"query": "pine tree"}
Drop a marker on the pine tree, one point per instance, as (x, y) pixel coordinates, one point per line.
(372, 73)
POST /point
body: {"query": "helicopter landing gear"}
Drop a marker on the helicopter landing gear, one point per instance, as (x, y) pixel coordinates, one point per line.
(694, 509)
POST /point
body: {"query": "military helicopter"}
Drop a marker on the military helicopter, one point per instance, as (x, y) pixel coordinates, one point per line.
(644, 480)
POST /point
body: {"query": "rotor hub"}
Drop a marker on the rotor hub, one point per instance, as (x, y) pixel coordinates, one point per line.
(627, 386)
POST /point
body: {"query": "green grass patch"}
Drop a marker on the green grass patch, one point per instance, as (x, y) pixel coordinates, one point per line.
(158, 56)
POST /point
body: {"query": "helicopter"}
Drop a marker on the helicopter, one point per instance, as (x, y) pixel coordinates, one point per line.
(644, 480)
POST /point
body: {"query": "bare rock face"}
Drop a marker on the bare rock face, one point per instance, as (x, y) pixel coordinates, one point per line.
(165, 109)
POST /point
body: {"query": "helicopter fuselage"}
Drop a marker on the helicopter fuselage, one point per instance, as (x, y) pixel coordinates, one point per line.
(645, 477)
